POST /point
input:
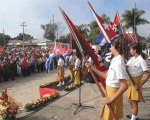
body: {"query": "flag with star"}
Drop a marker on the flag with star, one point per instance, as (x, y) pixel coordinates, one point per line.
(104, 27)
(117, 26)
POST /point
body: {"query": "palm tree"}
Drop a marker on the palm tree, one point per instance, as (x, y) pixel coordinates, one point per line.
(133, 18)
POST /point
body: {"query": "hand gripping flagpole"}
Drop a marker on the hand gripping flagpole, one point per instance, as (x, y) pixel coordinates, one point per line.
(133, 82)
(131, 78)
(94, 77)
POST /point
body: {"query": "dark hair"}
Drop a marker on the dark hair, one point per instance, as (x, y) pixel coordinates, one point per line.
(117, 43)
(136, 46)
(143, 56)
(78, 55)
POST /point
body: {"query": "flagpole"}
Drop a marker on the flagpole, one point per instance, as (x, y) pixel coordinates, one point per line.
(70, 40)
(92, 73)
(120, 24)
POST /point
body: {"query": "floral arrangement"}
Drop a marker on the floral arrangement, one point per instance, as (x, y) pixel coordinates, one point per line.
(67, 78)
(40, 102)
(72, 87)
(8, 106)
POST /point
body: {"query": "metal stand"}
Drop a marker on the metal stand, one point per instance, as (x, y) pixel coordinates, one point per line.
(79, 105)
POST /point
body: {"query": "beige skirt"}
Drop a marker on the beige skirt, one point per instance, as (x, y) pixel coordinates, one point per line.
(131, 92)
(71, 67)
(61, 71)
(117, 105)
(77, 77)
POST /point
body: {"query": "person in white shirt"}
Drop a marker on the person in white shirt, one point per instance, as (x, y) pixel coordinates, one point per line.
(61, 71)
(140, 73)
(77, 70)
(116, 83)
(71, 65)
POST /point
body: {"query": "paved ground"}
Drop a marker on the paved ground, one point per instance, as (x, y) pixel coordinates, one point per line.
(27, 89)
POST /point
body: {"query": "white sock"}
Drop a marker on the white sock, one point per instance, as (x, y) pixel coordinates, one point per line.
(133, 117)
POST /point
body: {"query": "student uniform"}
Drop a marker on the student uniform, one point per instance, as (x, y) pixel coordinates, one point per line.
(84, 68)
(71, 66)
(61, 71)
(136, 68)
(77, 71)
(116, 73)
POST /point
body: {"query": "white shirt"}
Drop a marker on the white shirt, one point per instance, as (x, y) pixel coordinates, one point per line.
(60, 62)
(116, 72)
(137, 66)
(77, 63)
(72, 60)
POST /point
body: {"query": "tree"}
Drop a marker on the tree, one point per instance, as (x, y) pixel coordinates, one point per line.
(132, 18)
(63, 39)
(106, 18)
(20, 37)
(94, 32)
(83, 29)
(4, 37)
(52, 31)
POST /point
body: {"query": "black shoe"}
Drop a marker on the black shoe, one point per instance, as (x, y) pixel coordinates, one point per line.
(128, 116)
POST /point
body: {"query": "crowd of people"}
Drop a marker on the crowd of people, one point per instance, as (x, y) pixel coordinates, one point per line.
(18, 62)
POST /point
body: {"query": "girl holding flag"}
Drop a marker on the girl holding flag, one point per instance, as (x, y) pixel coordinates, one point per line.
(116, 83)
(140, 73)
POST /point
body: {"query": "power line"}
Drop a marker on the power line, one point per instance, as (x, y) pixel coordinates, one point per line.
(23, 26)
(4, 38)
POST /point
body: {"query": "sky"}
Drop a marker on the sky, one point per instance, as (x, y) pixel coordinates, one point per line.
(37, 12)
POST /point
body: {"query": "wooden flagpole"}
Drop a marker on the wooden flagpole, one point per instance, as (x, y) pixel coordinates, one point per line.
(132, 80)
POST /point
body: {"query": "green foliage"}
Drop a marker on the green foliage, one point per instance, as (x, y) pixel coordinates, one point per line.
(2, 37)
(134, 16)
(106, 18)
(20, 37)
(94, 32)
(83, 29)
(63, 39)
(49, 31)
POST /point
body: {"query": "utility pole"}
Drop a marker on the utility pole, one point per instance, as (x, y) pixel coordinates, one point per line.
(4, 38)
(23, 25)
(134, 20)
(54, 29)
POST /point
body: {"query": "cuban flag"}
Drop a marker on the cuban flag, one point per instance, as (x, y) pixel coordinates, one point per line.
(100, 40)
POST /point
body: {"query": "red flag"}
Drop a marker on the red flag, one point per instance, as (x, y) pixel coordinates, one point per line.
(105, 28)
(2, 50)
(83, 44)
(58, 49)
(132, 39)
(67, 50)
(117, 26)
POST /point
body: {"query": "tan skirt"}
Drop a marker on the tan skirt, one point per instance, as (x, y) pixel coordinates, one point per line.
(77, 77)
(131, 92)
(117, 105)
(61, 74)
(71, 67)
(61, 71)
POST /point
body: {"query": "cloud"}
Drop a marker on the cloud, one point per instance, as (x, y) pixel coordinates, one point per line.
(37, 12)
